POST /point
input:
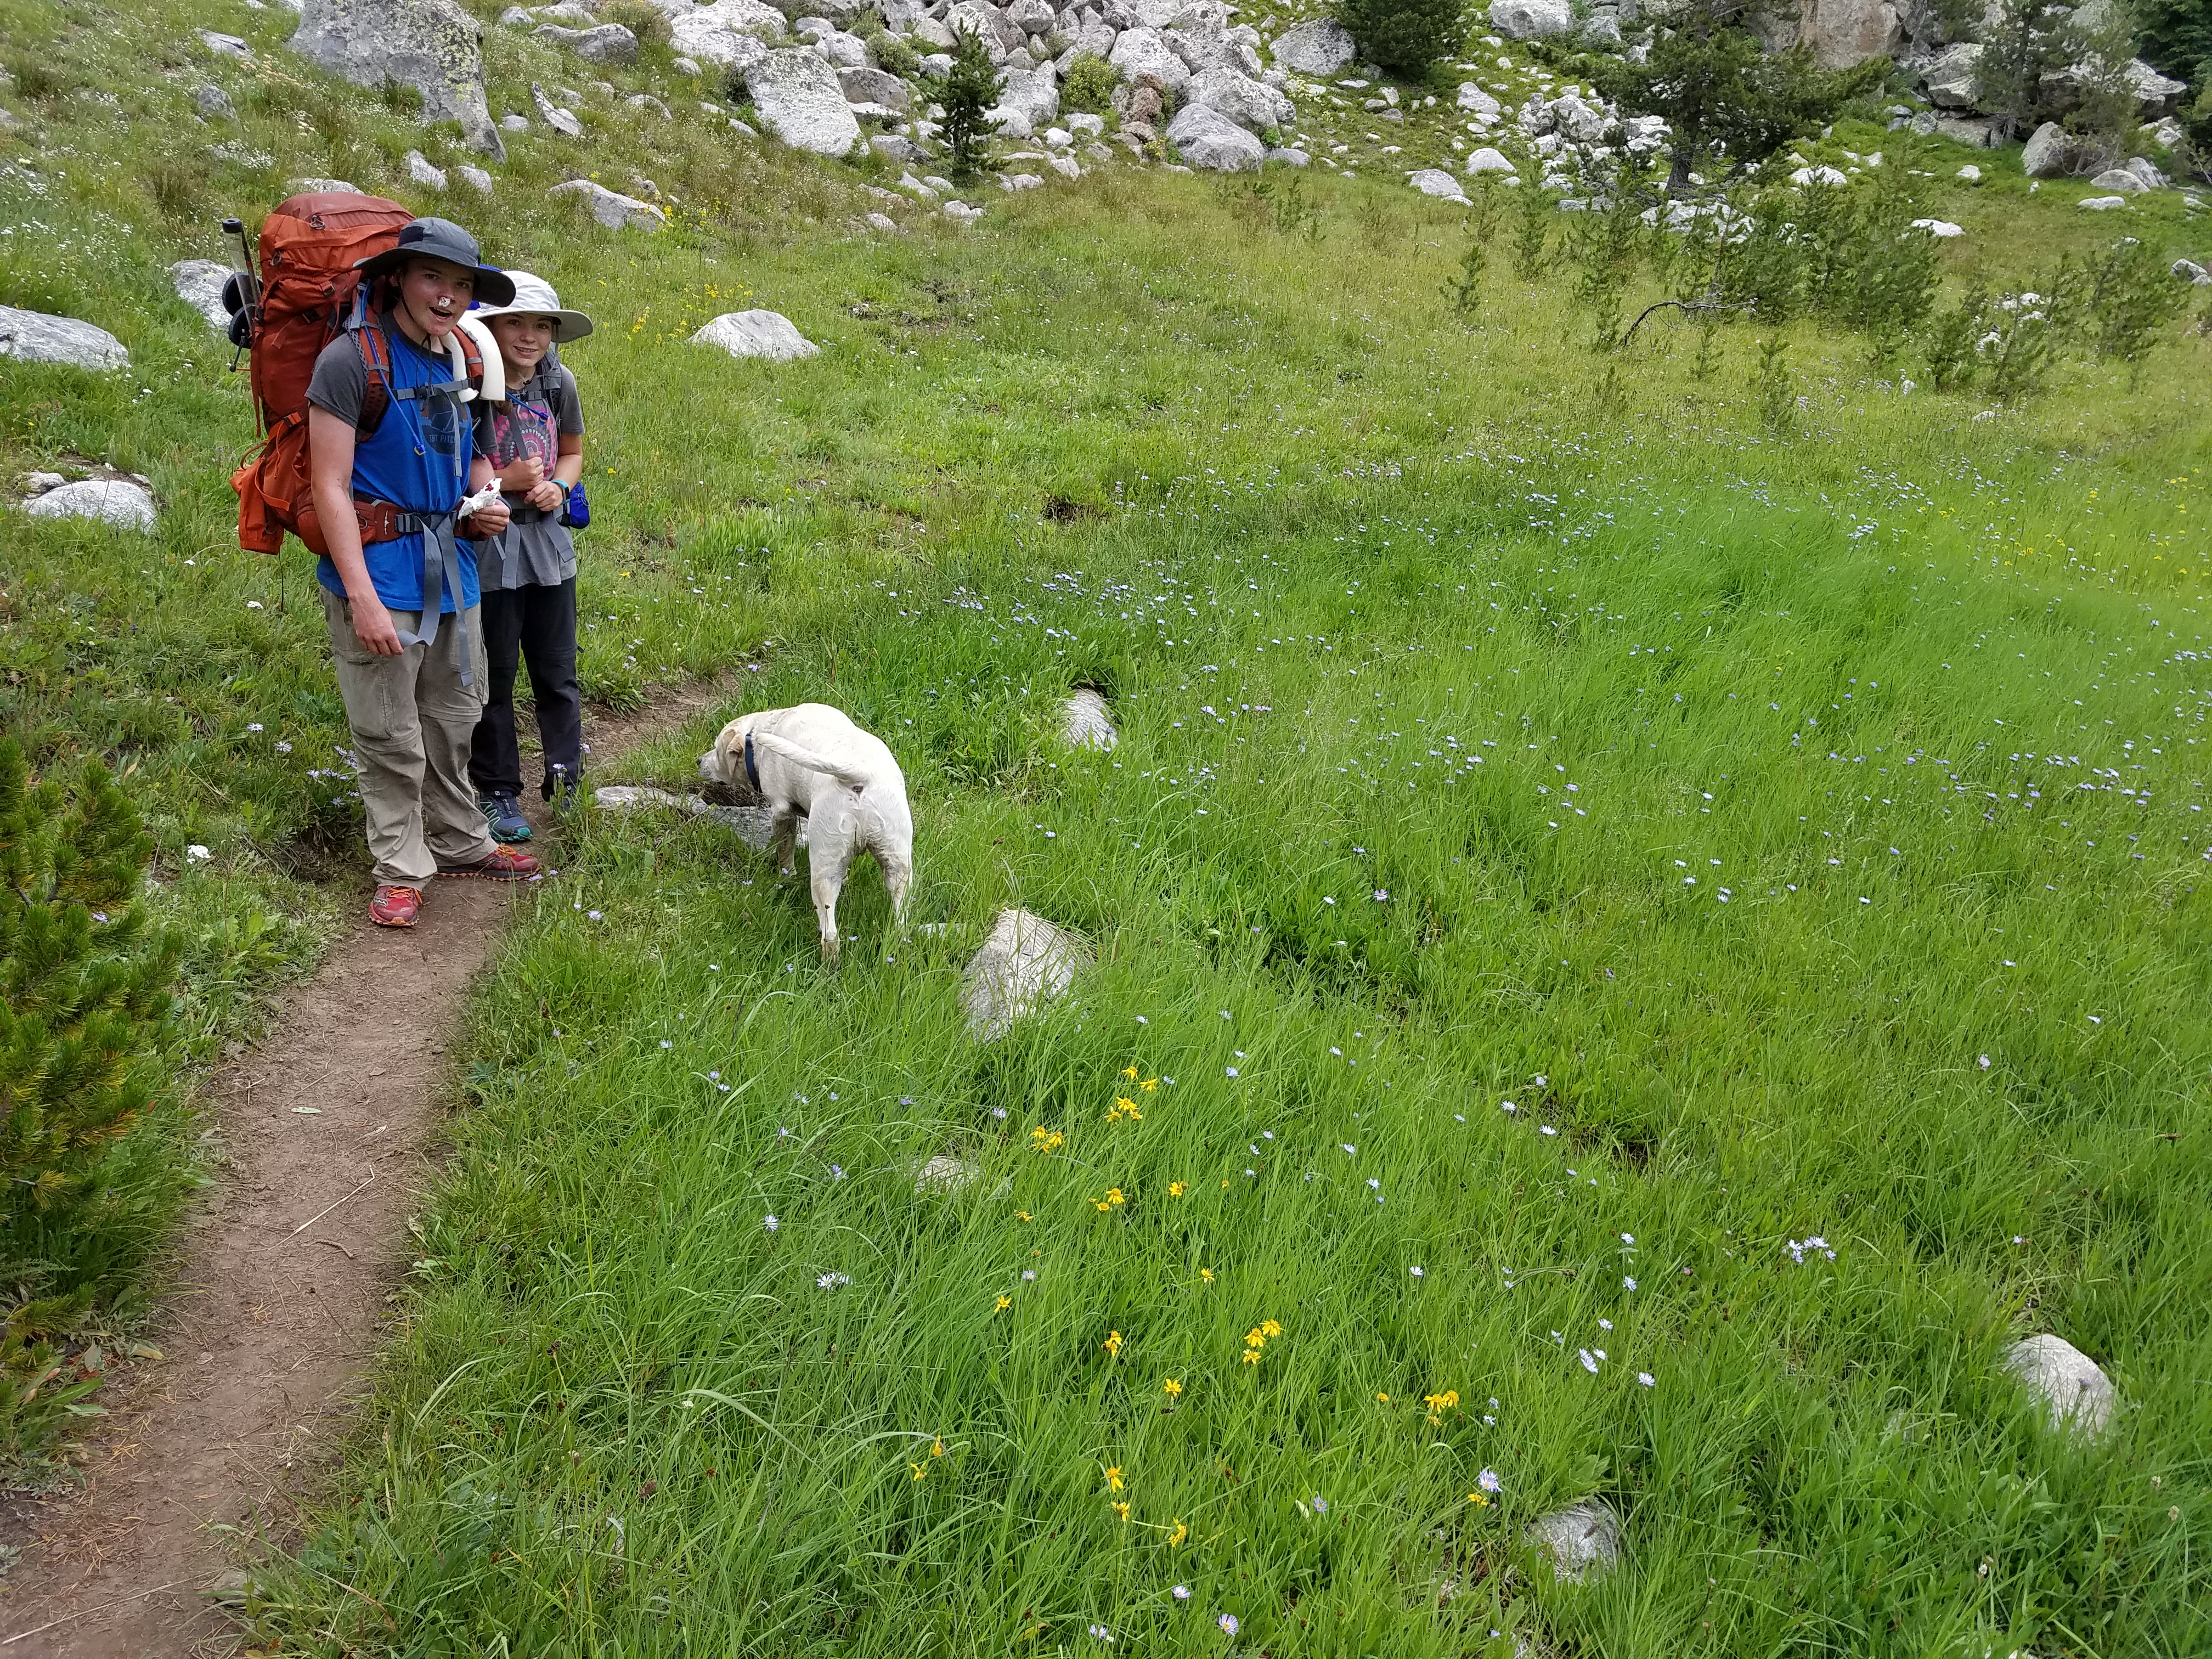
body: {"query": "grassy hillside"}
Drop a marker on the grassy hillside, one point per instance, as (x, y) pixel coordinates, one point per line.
(1798, 828)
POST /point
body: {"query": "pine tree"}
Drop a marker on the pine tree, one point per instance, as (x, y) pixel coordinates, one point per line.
(1405, 36)
(970, 92)
(84, 1029)
(2026, 40)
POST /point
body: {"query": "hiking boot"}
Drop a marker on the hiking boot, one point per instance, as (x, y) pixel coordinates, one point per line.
(395, 907)
(503, 813)
(504, 864)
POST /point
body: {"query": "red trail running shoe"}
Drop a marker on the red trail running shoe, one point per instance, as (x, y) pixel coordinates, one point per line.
(395, 907)
(504, 864)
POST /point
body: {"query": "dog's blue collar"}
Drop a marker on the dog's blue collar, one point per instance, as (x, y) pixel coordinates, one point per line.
(752, 768)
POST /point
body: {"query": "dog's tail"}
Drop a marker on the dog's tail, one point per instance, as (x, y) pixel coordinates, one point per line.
(850, 777)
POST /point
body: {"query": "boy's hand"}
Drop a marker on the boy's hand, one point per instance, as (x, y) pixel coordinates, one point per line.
(486, 520)
(548, 496)
(372, 626)
(521, 476)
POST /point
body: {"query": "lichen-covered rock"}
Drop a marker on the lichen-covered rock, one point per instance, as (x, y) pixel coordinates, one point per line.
(1084, 722)
(1025, 963)
(1581, 1539)
(731, 33)
(756, 334)
(122, 502)
(1316, 48)
(1531, 20)
(800, 101)
(612, 209)
(199, 284)
(1211, 140)
(33, 337)
(425, 172)
(603, 43)
(1435, 181)
(432, 46)
(1142, 51)
(1951, 75)
(1253, 105)
(875, 86)
(2049, 153)
(2070, 1388)
(1490, 160)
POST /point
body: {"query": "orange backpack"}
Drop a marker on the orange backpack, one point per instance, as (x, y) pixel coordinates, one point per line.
(309, 294)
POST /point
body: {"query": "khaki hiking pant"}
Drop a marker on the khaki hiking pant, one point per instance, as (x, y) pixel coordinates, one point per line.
(412, 720)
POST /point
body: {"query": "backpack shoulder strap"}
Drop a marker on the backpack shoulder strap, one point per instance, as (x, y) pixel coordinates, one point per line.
(376, 362)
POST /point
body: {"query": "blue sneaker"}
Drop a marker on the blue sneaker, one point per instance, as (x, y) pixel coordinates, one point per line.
(503, 813)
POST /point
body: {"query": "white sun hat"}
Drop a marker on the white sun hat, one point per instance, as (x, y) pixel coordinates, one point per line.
(534, 296)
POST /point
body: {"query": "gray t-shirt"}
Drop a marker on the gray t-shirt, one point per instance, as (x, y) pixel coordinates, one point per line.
(539, 552)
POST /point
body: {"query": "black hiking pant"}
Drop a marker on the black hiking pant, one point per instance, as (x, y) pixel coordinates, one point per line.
(537, 625)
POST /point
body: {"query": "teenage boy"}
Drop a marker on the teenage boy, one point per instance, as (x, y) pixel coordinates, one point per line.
(401, 600)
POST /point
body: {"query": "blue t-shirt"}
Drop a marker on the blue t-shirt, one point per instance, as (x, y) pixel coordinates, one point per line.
(417, 459)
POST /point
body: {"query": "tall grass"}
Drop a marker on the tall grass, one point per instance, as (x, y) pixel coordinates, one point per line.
(1444, 681)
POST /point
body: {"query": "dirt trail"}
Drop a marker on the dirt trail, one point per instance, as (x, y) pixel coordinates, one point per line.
(280, 1295)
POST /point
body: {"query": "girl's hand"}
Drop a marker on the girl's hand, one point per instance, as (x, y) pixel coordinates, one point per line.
(520, 477)
(549, 495)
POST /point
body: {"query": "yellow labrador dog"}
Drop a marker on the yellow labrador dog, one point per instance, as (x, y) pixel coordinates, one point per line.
(812, 760)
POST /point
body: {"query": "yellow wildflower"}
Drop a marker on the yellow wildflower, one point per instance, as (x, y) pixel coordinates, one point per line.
(918, 1470)
(1384, 1398)
(1121, 1509)
(1022, 1215)
(1176, 1537)
(1004, 1302)
(1113, 1478)
(936, 1448)
(1177, 1189)
(1251, 1356)
(1439, 1404)
(1477, 1500)
(1148, 1084)
(1172, 1389)
(1205, 1275)
(1269, 1327)
(1255, 1338)
(1113, 1195)
(1042, 1140)
(1113, 1344)
(1129, 1071)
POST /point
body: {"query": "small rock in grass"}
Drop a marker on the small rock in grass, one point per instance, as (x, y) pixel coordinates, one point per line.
(945, 1173)
(756, 334)
(2126, 180)
(40, 483)
(1971, 173)
(644, 100)
(1942, 229)
(323, 187)
(686, 66)
(33, 337)
(1084, 722)
(199, 284)
(881, 222)
(2071, 1390)
(2103, 203)
(559, 119)
(1025, 963)
(475, 178)
(1435, 181)
(224, 46)
(116, 501)
(2192, 271)
(607, 43)
(214, 104)
(1580, 1539)
(424, 172)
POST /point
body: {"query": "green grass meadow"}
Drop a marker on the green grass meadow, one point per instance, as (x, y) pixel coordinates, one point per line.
(1570, 846)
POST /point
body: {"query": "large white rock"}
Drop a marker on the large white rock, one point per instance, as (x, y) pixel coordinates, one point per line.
(2069, 1388)
(2126, 180)
(1033, 92)
(35, 337)
(1084, 722)
(841, 50)
(1142, 51)
(731, 32)
(607, 43)
(1477, 102)
(199, 285)
(1530, 20)
(1209, 139)
(2049, 153)
(1435, 181)
(987, 22)
(1949, 76)
(612, 209)
(1842, 32)
(1942, 229)
(1316, 48)
(1581, 1539)
(1024, 963)
(800, 101)
(116, 501)
(1487, 160)
(756, 334)
(2153, 91)
(432, 46)
(1253, 105)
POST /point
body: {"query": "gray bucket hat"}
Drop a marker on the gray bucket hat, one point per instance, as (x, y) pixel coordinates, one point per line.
(441, 239)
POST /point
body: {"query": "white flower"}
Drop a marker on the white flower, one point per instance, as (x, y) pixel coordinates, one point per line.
(1646, 1379)
(770, 1223)
(1628, 1283)
(831, 1281)
(1416, 1272)
(196, 853)
(1589, 1359)
(1231, 1069)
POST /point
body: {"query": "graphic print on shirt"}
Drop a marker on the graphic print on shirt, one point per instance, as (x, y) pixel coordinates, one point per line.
(521, 431)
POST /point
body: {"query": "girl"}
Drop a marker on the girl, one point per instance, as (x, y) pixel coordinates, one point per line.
(534, 441)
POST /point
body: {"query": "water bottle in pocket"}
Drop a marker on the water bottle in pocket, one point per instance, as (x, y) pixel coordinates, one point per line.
(576, 512)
